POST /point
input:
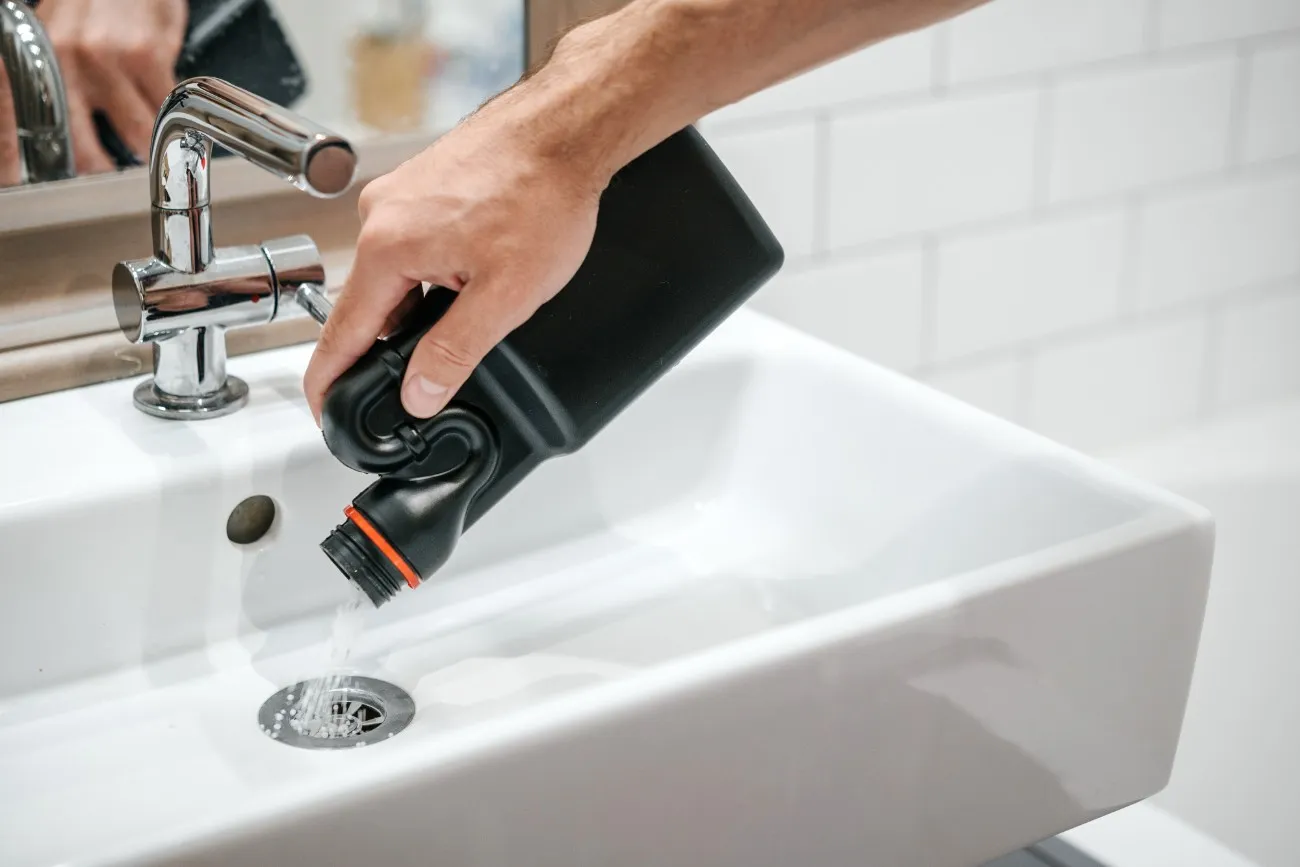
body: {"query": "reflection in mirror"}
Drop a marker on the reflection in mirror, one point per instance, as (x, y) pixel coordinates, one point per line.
(366, 69)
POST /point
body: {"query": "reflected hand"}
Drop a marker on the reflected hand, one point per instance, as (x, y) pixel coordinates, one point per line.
(10, 166)
(117, 56)
(490, 211)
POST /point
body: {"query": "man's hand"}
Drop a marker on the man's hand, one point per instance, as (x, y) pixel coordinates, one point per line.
(117, 56)
(485, 211)
(10, 167)
(503, 208)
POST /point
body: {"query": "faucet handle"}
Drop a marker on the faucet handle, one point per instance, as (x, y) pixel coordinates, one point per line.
(299, 274)
(312, 298)
(241, 286)
(282, 142)
(185, 316)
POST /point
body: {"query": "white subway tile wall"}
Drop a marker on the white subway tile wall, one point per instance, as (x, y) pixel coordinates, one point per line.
(1273, 106)
(928, 167)
(994, 385)
(877, 303)
(1234, 234)
(900, 65)
(1259, 351)
(1120, 130)
(1012, 36)
(1106, 389)
(1186, 22)
(1083, 216)
(1055, 274)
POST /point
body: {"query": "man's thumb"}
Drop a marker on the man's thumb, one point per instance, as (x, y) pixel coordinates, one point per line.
(448, 354)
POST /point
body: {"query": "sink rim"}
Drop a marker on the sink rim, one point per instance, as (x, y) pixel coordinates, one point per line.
(939, 601)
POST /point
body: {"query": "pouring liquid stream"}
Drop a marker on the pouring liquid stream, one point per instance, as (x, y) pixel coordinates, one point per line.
(313, 713)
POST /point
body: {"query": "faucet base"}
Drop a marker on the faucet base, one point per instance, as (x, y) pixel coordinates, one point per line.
(230, 397)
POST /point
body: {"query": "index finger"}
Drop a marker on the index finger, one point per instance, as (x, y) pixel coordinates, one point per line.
(372, 290)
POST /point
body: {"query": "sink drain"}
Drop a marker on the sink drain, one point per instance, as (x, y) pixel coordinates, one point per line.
(348, 712)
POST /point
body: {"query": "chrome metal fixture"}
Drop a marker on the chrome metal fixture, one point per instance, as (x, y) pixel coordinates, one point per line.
(351, 711)
(187, 294)
(40, 102)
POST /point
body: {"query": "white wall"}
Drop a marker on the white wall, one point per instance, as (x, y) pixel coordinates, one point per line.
(1083, 215)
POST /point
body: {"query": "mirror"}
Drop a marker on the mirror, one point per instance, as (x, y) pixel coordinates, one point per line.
(368, 69)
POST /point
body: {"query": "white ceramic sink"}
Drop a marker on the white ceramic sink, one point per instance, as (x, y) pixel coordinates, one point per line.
(789, 609)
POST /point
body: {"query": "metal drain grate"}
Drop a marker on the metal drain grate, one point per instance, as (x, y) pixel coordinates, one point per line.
(352, 712)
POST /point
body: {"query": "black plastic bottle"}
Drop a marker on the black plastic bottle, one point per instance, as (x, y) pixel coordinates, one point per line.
(678, 247)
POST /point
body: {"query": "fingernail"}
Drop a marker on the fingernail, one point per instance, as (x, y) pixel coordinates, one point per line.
(423, 398)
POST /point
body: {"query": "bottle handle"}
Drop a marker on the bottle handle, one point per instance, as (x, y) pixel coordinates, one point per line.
(363, 421)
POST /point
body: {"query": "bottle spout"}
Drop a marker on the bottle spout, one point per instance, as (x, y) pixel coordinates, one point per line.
(400, 531)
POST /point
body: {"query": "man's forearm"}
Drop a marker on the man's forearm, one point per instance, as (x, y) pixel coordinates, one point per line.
(616, 86)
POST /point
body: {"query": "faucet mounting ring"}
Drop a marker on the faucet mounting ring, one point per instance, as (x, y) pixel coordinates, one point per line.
(232, 395)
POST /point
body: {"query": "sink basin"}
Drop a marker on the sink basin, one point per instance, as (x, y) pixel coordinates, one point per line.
(789, 608)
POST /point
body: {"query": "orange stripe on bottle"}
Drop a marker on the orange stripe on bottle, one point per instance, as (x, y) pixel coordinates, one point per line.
(412, 579)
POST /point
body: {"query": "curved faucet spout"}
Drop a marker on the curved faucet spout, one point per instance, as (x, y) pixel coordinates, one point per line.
(269, 136)
(203, 110)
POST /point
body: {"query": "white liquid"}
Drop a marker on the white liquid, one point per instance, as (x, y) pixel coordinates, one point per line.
(313, 713)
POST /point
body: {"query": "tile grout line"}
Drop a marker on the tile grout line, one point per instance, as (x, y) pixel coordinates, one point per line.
(1024, 353)
(1018, 82)
(1130, 287)
(1207, 395)
(964, 363)
(940, 59)
(1158, 192)
(1259, 292)
(1238, 108)
(1026, 359)
(1151, 27)
(821, 184)
(1044, 139)
(1242, 296)
(929, 300)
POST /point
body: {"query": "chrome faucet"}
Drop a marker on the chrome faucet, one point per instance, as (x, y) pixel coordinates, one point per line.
(40, 102)
(187, 294)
